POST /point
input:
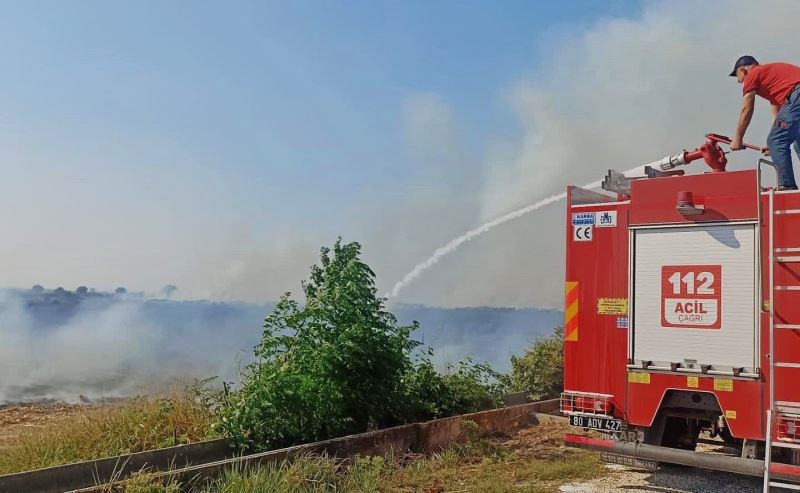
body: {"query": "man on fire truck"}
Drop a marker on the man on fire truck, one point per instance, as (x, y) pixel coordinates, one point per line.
(778, 83)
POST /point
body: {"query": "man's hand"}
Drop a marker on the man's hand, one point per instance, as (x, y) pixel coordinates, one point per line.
(737, 144)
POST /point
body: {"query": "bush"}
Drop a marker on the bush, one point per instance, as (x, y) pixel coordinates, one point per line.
(540, 371)
(463, 388)
(332, 367)
(341, 364)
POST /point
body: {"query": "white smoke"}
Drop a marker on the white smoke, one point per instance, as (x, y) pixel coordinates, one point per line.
(455, 243)
(117, 347)
(620, 92)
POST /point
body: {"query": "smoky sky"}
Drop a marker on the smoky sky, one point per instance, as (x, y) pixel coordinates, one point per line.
(612, 93)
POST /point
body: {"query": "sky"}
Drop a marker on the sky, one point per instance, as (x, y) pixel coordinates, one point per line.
(217, 146)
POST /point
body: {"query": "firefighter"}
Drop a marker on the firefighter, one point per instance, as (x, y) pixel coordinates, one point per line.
(778, 83)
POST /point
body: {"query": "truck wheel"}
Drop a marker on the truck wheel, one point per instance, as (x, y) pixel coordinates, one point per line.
(680, 433)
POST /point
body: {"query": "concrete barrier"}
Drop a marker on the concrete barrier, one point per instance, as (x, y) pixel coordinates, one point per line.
(207, 459)
(418, 437)
(82, 474)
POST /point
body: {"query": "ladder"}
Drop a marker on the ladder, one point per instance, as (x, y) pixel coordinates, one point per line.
(778, 410)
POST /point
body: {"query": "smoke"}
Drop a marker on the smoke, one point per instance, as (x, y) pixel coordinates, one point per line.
(110, 346)
(453, 244)
(621, 92)
(611, 94)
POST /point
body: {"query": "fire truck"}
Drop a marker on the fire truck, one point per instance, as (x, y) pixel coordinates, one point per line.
(682, 317)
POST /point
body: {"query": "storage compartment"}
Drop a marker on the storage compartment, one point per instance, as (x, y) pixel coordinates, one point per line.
(694, 297)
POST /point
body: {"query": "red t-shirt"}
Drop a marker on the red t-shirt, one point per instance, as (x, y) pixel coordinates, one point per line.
(772, 81)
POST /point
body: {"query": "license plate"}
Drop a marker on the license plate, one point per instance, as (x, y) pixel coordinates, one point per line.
(596, 423)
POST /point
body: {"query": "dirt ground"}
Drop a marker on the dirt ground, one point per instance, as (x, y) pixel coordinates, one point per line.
(670, 478)
(18, 419)
(547, 441)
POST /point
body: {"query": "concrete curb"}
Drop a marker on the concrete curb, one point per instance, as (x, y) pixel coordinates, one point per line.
(207, 459)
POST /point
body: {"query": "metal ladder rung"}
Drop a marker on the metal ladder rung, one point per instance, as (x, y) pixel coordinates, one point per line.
(786, 444)
(783, 212)
(787, 326)
(786, 260)
(780, 364)
(788, 250)
(788, 404)
(788, 486)
(787, 288)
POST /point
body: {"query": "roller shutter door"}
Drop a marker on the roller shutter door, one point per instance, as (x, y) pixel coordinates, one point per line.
(694, 296)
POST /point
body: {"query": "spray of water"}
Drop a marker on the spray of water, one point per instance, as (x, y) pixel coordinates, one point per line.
(455, 243)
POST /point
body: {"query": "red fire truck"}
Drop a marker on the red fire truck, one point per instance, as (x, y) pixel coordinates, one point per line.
(682, 317)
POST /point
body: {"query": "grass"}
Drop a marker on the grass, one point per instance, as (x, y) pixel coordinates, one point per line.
(533, 461)
(135, 425)
(448, 471)
(530, 465)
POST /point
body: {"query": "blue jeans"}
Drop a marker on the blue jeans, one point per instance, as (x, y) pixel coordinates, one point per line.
(785, 132)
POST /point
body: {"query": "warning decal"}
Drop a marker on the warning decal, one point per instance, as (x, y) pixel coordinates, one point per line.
(638, 377)
(691, 296)
(571, 312)
(723, 384)
(612, 306)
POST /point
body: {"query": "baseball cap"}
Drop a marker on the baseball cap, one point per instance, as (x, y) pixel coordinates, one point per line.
(742, 62)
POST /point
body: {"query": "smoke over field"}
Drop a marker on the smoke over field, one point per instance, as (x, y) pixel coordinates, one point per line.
(64, 345)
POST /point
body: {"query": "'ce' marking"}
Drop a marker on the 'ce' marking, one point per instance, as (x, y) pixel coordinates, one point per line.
(583, 233)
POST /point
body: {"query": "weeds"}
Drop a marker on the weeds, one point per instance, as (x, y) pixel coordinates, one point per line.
(133, 426)
(477, 465)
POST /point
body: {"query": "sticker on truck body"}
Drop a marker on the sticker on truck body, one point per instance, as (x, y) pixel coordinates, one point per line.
(691, 296)
(606, 219)
(571, 311)
(583, 218)
(582, 233)
(612, 306)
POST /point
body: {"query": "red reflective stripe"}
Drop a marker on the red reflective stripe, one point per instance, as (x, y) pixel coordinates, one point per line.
(592, 442)
(572, 295)
(784, 469)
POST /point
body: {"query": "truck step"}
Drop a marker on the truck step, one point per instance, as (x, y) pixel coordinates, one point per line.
(788, 250)
(787, 326)
(787, 288)
(787, 260)
(788, 486)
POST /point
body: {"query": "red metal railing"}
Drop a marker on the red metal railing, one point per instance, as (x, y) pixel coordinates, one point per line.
(585, 403)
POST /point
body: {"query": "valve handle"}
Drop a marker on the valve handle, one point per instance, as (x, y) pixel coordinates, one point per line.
(726, 140)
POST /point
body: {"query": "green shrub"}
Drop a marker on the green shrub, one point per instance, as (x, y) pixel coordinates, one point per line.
(341, 364)
(462, 388)
(540, 371)
(332, 367)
